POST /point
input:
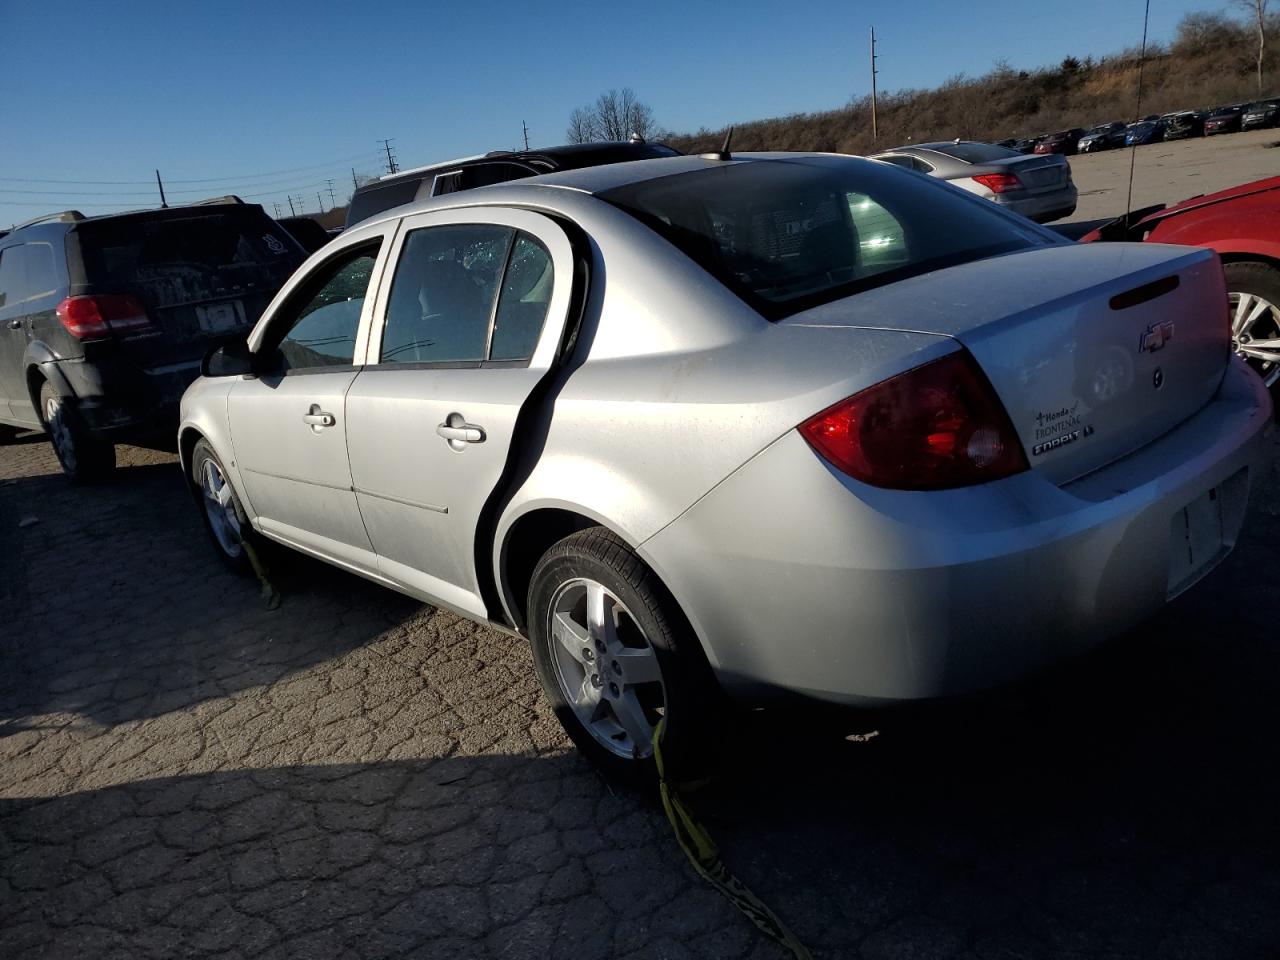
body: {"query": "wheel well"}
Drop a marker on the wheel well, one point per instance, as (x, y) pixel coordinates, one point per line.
(34, 379)
(533, 535)
(1250, 258)
(186, 446)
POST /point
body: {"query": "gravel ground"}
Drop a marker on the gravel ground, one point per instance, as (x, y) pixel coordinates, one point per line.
(186, 774)
(1171, 172)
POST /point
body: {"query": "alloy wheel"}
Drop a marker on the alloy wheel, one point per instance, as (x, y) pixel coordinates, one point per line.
(606, 667)
(220, 508)
(1255, 334)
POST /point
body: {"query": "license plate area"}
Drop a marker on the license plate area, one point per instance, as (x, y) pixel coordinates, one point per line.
(1196, 541)
(220, 317)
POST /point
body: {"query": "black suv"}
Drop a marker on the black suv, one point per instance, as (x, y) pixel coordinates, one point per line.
(500, 166)
(104, 320)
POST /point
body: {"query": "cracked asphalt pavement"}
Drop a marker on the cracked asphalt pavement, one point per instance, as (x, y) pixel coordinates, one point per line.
(184, 773)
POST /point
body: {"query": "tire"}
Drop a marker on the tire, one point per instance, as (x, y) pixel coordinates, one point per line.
(225, 520)
(632, 689)
(84, 457)
(1251, 283)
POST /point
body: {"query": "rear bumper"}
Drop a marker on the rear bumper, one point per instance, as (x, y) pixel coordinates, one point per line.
(120, 401)
(1042, 207)
(800, 580)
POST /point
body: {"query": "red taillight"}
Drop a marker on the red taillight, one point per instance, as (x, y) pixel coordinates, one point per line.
(999, 182)
(937, 426)
(98, 316)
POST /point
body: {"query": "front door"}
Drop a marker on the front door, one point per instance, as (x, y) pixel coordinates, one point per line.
(467, 327)
(289, 423)
(14, 400)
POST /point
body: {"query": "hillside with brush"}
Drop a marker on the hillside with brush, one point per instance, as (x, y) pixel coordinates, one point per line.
(1211, 61)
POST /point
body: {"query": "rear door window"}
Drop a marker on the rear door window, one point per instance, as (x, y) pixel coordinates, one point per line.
(13, 278)
(443, 294)
(41, 273)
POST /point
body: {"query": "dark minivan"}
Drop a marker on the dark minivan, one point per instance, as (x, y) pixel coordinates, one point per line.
(104, 320)
(498, 167)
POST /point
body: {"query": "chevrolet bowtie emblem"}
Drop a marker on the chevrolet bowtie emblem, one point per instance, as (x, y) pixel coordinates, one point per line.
(1157, 335)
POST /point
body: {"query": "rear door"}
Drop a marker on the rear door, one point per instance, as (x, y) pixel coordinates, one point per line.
(464, 330)
(289, 423)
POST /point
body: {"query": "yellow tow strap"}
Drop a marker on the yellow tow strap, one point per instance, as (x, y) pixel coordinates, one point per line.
(705, 857)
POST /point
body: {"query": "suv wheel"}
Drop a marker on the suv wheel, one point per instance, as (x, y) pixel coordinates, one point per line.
(615, 656)
(1254, 292)
(224, 518)
(84, 457)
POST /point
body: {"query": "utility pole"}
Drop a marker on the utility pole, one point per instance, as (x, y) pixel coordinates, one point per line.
(332, 203)
(526, 134)
(161, 186)
(391, 157)
(292, 212)
(319, 202)
(276, 204)
(874, 131)
(354, 184)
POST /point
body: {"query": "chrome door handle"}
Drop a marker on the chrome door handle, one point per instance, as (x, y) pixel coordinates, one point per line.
(319, 419)
(15, 324)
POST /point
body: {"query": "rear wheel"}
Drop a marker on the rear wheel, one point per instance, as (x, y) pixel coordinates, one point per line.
(224, 518)
(1253, 289)
(615, 656)
(84, 457)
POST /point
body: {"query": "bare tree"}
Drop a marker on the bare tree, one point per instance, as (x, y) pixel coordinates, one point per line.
(616, 115)
(1258, 8)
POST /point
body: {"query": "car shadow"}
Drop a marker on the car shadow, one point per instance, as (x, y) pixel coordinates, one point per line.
(118, 608)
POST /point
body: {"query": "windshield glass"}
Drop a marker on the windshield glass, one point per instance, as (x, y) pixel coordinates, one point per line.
(788, 235)
(973, 152)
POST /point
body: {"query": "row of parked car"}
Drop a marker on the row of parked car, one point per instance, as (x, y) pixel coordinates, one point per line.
(1179, 125)
(557, 408)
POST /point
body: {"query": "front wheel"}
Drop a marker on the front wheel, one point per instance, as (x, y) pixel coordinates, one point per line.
(1253, 289)
(84, 457)
(615, 656)
(224, 518)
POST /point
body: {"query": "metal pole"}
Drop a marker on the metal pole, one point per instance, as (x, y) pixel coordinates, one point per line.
(875, 132)
(161, 186)
(292, 212)
(526, 134)
(354, 184)
(319, 202)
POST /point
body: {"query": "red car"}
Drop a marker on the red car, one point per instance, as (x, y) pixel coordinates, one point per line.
(1243, 225)
(1065, 142)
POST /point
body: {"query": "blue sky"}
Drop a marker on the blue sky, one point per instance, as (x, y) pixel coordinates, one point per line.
(269, 99)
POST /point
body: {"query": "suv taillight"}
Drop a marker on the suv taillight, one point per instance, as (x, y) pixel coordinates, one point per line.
(103, 314)
(940, 425)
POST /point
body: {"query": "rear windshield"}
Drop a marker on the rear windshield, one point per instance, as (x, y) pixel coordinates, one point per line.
(785, 235)
(187, 253)
(975, 152)
(377, 197)
(1262, 105)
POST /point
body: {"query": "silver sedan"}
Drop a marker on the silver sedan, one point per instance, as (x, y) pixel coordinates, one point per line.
(1036, 186)
(711, 430)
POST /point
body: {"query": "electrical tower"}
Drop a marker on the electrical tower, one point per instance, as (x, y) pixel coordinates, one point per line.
(392, 166)
(332, 202)
(526, 134)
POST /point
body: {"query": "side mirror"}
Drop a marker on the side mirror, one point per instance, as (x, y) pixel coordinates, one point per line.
(231, 359)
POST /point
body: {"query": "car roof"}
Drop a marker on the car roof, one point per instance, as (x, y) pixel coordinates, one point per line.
(592, 180)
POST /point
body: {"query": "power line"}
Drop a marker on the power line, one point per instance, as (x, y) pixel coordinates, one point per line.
(342, 161)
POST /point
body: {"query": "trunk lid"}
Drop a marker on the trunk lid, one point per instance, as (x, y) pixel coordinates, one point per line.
(1094, 350)
(1039, 173)
(202, 273)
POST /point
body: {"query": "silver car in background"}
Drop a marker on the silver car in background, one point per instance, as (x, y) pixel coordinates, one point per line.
(1038, 186)
(712, 430)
